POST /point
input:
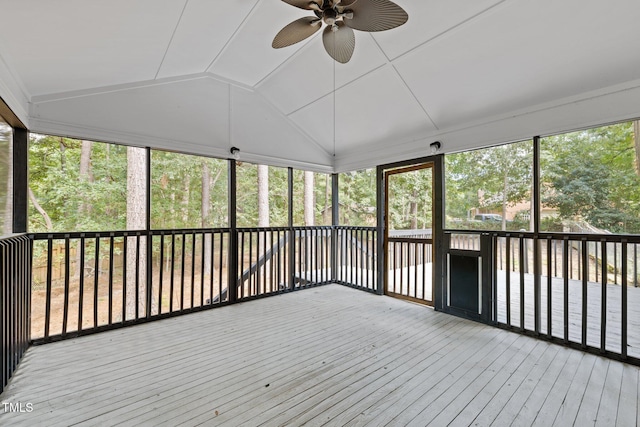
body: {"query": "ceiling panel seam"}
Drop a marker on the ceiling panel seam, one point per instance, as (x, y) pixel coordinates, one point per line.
(448, 30)
(404, 82)
(415, 97)
(294, 124)
(233, 36)
(297, 52)
(171, 39)
(335, 90)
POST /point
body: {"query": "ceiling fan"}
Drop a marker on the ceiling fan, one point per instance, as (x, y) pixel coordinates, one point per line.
(341, 18)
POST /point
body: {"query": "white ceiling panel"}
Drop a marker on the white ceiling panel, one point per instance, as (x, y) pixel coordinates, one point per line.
(249, 57)
(258, 130)
(507, 60)
(195, 112)
(377, 107)
(159, 73)
(61, 46)
(204, 29)
(428, 19)
(309, 75)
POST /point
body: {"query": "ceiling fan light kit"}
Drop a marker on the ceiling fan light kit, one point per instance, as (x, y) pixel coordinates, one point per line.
(341, 17)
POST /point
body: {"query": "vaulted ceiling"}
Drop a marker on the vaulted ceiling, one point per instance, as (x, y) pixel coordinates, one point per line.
(200, 76)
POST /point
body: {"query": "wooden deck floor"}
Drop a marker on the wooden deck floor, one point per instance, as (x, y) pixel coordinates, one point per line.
(324, 356)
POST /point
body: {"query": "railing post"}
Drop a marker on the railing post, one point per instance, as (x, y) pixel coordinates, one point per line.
(487, 254)
(335, 222)
(232, 270)
(149, 239)
(292, 233)
(380, 231)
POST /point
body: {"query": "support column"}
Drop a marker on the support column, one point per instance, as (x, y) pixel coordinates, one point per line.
(335, 222)
(20, 179)
(380, 230)
(292, 233)
(232, 270)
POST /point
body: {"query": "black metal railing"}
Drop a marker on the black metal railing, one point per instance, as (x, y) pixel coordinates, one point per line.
(410, 264)
(577, 289)
(87, 282)
(15, 277)
(312, 259)
(263, 261)
(356, 257)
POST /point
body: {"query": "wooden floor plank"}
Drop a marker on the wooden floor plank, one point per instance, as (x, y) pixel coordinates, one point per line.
(442, 383)
(483, 396)
(553, 400)
(323, 356)
(588, 411)
(608, 407)
(571, 404)
(539, 391)
(293, 396)
(520, 396)
(497, 403)
(241, 405)
(442, 404)
(628, 414)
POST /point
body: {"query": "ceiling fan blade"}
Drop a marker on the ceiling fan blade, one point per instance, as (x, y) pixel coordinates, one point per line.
(376, 15)
(296, 31)
(304, 4)
(339, 44)
(345, 3)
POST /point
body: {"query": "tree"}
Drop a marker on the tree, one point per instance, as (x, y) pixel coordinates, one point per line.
(263, 196)
(309, 199)
(491, 178)
(136, 220)
(591, 175)
(84, 176)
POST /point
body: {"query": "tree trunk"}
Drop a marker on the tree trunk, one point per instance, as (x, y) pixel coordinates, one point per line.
(504, 201)
(84, 175)
(136, 220)
(206, 212)
(47, 218)
(636, 140)
(85, 162)
(185, 200)
(414, 211)
(263, 196)
(7, 226)
(309, 202)
(326, 213)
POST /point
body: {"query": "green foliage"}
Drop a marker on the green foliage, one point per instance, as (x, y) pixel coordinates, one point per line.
(491, 179)
(176, 191)
(77, 205)
(591, 175)
(357, 196)
(410, 200)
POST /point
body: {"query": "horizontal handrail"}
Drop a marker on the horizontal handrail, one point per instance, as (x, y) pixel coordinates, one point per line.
(581, 290)
(85, 282)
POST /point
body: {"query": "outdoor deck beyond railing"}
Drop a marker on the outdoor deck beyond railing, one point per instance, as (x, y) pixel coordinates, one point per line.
(581, 290)
(15, 264)
(86, 282)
